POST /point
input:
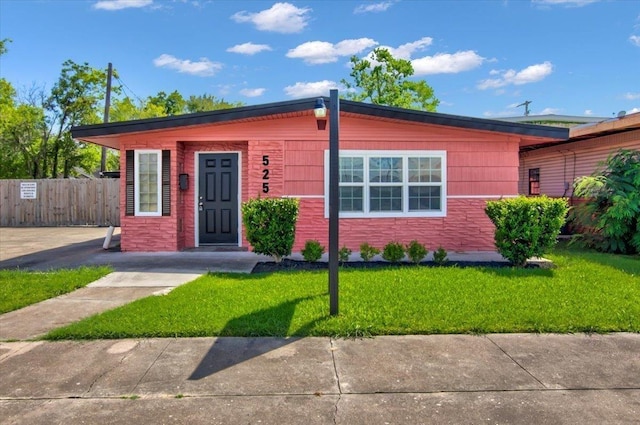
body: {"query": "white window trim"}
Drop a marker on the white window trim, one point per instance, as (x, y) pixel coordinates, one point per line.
(136, 170)
(405, 184)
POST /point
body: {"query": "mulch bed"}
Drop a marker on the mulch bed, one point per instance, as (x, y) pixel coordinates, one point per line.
(297, 265)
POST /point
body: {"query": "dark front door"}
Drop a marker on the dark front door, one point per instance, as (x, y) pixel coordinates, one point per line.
(218, 198)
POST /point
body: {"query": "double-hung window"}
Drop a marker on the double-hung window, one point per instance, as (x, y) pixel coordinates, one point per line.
(148, 191)
(391, 183)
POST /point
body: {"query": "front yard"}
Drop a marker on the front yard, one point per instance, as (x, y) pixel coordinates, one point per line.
(586, 292)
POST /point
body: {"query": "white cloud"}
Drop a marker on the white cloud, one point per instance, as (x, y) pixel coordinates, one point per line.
(202, 68)
(318, 88)
(318, 52)
(568, 3)
(530, 74)
(225, 89)
(405, 51)
(632, 96)
(282, 17)
(252, 92)
(248, 48)
(375, 7)
(549, 111)
(447, 63)
(120, 4)
(633, 111)
(588, 112)
(635, 39)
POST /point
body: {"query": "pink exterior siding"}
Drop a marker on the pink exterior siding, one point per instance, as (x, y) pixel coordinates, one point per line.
(480, 166)
(560, 165)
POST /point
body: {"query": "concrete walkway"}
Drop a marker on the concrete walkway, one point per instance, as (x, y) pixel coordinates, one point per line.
(455, 379)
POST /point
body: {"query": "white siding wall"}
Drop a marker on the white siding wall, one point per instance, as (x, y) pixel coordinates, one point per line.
(561, 165)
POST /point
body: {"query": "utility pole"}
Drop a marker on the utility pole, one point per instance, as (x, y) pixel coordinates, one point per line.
(526, 107)
(107, 105)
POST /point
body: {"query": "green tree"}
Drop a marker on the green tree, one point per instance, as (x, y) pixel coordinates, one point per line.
(20, 132)
(610, 217)
(207, 102)
(21, 128)
(76, 99)
(126, 109)
(173, 103)
(384, 81)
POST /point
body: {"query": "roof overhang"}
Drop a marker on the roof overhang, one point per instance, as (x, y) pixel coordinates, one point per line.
(103, 134)
(615, 125)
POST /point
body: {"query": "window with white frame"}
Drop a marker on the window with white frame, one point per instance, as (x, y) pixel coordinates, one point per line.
(391, 183)
(148, 184)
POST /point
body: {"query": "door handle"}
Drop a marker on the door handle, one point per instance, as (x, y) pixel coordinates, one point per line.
(200, 206)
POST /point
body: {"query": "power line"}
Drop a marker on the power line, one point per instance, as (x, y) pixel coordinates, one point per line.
(122, 83)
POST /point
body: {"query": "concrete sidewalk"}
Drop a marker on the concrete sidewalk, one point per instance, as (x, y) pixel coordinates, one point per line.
(514, 379)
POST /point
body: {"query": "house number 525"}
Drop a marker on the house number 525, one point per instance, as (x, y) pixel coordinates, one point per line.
(265, 174)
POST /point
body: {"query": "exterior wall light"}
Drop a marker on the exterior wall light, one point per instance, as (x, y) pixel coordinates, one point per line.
(320, 111)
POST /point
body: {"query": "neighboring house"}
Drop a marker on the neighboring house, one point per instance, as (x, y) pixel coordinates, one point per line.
(552, 169)
(555, 120)
(404, 174)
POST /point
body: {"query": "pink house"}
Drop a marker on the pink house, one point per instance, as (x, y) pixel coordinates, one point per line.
(404, 174)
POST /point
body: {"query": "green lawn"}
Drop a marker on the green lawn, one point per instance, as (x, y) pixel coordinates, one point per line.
(19, 288)
(586, 292)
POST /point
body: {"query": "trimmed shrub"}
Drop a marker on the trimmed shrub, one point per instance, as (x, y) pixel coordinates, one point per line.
(440, 256)
(270, 224)
(343, 254)
(526, 227)
(312, 251)
(609, 220)
(367, 252)
(393, 252)
(416, 251)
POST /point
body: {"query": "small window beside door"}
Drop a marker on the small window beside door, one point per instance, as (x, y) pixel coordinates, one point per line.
(148, 184)
(534, 181)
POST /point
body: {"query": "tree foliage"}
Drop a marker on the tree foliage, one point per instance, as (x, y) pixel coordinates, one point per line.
(175, 104)
(383, 80)
(35, 138)
(610, 217)
(207, 102)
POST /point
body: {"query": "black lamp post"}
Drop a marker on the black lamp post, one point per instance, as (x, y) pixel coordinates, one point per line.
(334, 196)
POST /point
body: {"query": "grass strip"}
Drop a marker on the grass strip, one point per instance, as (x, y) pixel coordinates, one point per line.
(20, 288)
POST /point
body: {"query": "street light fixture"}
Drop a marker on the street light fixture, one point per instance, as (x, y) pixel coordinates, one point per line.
(320, 112)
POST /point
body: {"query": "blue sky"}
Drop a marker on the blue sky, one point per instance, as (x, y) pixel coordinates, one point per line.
(483, 58)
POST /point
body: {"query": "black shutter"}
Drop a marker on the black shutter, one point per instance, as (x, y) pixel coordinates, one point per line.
(130, 178)
(166, 182)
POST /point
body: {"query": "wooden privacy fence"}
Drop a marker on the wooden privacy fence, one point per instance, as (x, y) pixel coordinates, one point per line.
(60, 202)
